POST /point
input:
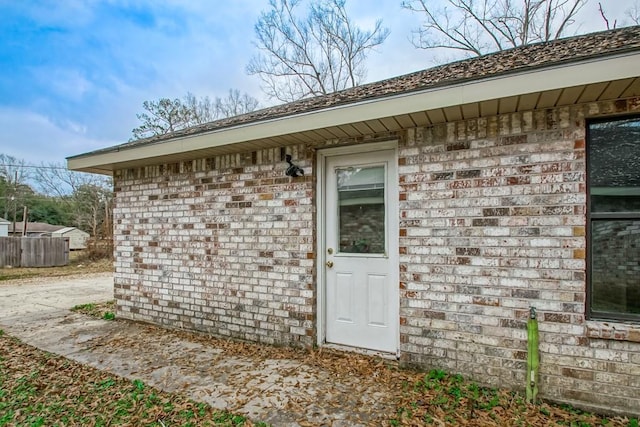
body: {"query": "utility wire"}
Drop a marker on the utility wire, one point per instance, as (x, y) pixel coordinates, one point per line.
(34, 167)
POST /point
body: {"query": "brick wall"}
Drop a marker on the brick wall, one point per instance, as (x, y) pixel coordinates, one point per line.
(222, 245)
(493, 222)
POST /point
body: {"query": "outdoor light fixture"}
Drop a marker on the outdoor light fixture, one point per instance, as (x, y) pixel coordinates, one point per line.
(293, 170)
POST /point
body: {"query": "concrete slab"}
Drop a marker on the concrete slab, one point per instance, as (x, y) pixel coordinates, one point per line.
(281, 391)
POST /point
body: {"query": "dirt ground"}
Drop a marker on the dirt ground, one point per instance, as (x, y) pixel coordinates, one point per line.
(79, 263)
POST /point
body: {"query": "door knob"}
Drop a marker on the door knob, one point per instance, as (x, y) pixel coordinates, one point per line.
(329, 264)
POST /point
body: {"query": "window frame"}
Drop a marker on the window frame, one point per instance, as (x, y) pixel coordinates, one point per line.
(592, 314)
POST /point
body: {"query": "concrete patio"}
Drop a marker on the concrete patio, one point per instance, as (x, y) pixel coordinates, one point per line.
(283, 387)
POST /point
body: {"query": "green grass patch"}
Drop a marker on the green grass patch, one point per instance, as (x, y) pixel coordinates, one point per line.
(439, 398)
(103, 310)
(84, 307)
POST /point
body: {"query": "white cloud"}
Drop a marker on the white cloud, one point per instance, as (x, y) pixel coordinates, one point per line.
(36, 138)
(65, 82)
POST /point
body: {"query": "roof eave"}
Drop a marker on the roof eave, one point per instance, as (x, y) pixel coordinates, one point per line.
(557, 76)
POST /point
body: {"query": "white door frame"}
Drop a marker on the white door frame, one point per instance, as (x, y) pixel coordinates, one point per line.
(321, 255)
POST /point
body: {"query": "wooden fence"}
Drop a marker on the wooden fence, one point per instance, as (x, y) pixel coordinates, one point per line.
(34, 251)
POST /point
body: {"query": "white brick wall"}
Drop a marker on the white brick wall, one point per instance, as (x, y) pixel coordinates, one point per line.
(492, 221)
(221, 245)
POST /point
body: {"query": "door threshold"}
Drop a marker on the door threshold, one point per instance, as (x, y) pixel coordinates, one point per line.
(364, 351)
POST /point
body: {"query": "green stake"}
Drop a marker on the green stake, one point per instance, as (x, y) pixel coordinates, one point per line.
(532, 357)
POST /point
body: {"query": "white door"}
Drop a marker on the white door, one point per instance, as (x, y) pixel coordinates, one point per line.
(361, 250)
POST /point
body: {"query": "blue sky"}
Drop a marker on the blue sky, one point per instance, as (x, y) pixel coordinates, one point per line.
(74, 73)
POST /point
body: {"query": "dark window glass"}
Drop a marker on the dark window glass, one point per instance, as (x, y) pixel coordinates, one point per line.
(614, 166)
(614, 219)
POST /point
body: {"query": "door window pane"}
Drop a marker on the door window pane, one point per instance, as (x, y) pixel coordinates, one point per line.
(361, 210)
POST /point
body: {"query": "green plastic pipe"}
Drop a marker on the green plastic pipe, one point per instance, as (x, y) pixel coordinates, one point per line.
(533, 360)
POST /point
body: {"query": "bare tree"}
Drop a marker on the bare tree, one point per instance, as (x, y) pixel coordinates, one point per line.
(235, 104)
(87, 197)
(633, 13)
(320, 53)
(14, 176)
(476, 27)
(93, 208)
(55, 180)
(199, 111)
(165, 115)
(14, 170)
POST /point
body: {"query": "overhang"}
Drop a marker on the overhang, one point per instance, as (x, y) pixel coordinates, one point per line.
(594, 79)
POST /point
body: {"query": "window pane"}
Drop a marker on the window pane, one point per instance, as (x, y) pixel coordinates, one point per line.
(361, 204)
(615, 266)
(614, 162)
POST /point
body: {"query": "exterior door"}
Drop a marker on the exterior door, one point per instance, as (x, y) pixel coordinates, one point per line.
(361, 250)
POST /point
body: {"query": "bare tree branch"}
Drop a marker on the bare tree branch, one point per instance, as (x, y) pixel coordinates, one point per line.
(14, 173)
(234, 104)
(54, 179)
(14, 170)
(320, 53)
(87, 197)
(476, 27)
(568, 18)
(604, 17)
(633, 13)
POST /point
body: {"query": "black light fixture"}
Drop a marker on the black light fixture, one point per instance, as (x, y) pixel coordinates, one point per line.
(293, 170)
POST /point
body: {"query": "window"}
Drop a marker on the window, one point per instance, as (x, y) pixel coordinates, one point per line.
(613, 159)
(361, 201)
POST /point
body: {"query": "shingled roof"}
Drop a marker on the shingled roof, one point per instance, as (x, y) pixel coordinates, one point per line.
(37, 227)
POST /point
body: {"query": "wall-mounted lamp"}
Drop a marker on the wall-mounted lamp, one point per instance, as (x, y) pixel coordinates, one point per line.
(293, 170)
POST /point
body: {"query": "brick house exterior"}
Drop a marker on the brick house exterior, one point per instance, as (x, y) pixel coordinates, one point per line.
(492, 218)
